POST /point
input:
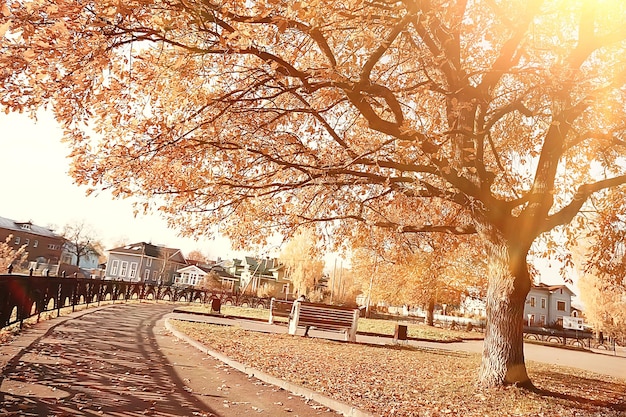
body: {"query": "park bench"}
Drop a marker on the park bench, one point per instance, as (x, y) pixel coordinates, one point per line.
(279, 308)
(325, 317)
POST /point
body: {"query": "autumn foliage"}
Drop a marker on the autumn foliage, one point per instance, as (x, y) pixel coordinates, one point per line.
(11, 256)
(498, 118)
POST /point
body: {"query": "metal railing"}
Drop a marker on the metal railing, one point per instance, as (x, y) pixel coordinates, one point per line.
(24, 296)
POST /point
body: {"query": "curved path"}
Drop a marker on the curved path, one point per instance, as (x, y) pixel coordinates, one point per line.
(119, 361)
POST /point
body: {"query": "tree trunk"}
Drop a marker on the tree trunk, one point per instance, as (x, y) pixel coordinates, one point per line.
(430, 312)
(503, 347)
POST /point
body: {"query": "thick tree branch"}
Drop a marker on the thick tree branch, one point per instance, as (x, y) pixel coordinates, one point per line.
(567, 213)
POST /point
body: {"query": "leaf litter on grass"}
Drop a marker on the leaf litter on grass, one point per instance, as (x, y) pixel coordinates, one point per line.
(410, 381)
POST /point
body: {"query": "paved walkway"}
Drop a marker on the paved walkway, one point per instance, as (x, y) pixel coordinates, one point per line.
(120, 361)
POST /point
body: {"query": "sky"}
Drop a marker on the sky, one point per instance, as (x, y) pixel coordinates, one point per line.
(35, 186)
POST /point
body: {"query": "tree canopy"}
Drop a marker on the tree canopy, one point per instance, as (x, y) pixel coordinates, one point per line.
(81, 240)
(303, 262)
(420, 270)
(11, 256)
(501, 118)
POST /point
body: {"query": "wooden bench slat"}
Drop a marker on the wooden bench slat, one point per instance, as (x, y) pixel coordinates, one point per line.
(321, 316)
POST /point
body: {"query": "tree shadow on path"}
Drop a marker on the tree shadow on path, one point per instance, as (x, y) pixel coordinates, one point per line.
(106, 362)
(586, 393)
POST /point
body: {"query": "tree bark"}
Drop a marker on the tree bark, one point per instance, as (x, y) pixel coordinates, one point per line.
(430, 312)
(503, 347)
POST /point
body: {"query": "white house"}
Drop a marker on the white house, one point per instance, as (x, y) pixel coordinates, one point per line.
(191, 275)
(194, 275)
(547, 305)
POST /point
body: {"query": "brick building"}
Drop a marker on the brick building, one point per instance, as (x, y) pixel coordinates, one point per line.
(42, 244)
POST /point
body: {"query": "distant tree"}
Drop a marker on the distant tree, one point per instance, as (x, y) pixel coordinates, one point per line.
(343, 285)
(82, 240)
(605, 304)
(266, 290)
(211, 281)
(303, 261)
(197, 255)
(11, 256)
(121, 241)
(432, 269)
(600, 257)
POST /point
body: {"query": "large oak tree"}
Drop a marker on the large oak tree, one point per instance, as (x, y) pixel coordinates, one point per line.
(500, 118)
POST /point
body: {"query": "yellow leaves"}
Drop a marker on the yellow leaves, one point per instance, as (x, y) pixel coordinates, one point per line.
(29, 55)
(4, 28)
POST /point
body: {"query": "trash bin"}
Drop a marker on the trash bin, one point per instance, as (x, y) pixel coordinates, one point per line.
(401, 332)
(216, 305)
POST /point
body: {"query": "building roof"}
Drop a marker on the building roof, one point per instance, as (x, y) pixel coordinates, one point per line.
(263, 266)
(28, 227)
(194, 268)
(218, 270)
(551, 288)
(148, 249)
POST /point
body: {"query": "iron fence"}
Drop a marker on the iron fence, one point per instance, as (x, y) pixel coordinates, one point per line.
(24, 296)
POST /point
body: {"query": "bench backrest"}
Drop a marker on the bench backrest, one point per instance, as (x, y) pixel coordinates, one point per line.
(326, 317)
(279, 308)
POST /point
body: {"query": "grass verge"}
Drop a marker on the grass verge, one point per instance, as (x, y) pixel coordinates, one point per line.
(405, 381)
(377, 326)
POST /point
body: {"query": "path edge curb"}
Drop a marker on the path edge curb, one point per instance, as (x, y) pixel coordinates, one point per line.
(335, 405)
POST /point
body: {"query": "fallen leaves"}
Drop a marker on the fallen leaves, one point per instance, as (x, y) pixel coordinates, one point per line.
(411, 382)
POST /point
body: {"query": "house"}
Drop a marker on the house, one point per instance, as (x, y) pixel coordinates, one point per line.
(258, 272)
(252, 274)
(144, 262)
(42, 244)
(546, 305)
(196, 276)
(89, 260)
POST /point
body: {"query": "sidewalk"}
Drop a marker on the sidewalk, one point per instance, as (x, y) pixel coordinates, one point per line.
(120, 361)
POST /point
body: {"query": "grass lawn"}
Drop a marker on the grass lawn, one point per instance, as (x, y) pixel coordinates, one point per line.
(384, 327)
(408, 381)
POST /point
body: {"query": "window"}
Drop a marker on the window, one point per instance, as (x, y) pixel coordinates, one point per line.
(543, 303)
(532, 301)
(228, 284)
(52, 246)
(543, 320)
(123, 269)
(26, 242)
(531, 319)
(133, 270)
(146, 275)
(35, 244)
(560, 305)
(114, 266)
(149, 262)
(17, 240)
(154, 275)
